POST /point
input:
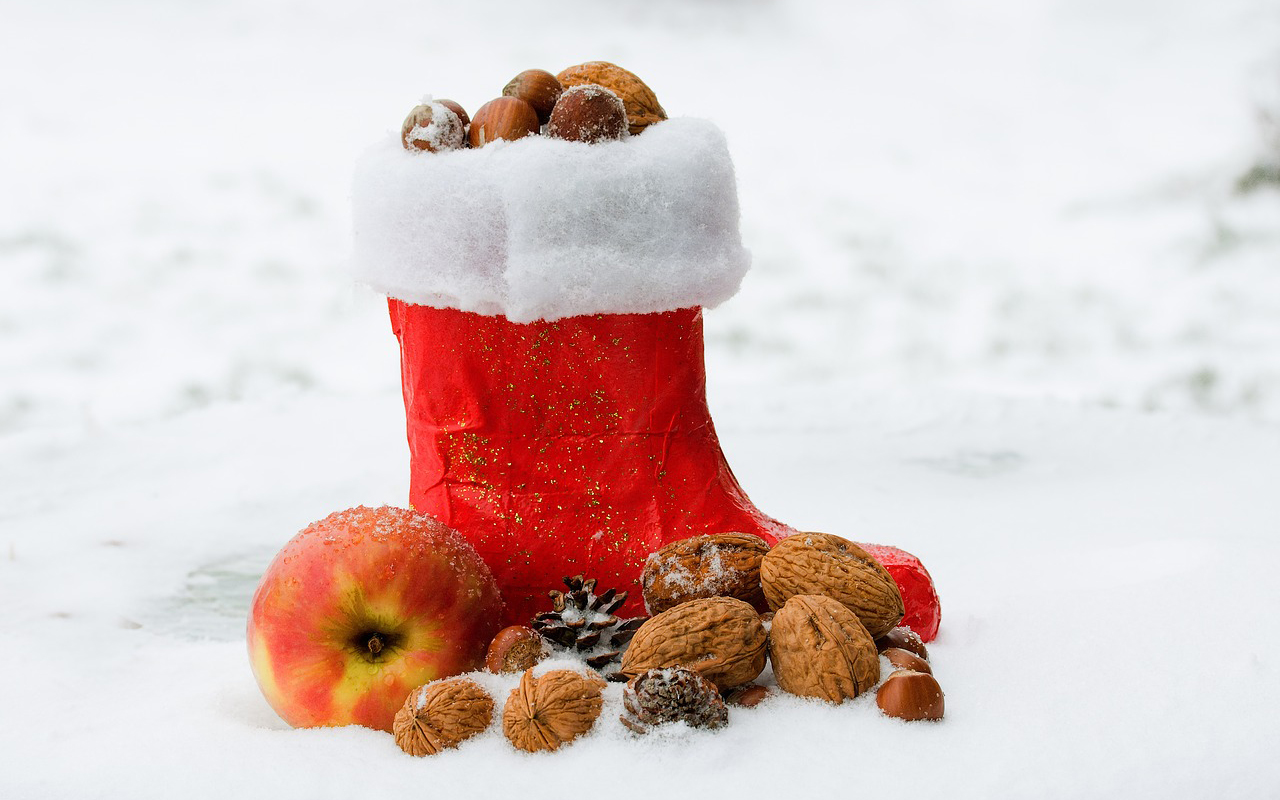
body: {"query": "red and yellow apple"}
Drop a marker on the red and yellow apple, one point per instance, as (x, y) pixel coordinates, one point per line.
(361, 608)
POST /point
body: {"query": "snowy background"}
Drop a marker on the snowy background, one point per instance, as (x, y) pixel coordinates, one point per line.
(1015, 307)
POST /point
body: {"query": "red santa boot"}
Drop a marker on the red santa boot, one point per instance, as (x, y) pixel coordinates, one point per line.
(547, 297)
(580, 445)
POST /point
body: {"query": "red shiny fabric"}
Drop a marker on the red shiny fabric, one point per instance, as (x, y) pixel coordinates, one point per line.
(575, 446)
(919, 595)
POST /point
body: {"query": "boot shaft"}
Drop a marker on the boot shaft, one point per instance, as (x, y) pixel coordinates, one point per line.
(579, 445)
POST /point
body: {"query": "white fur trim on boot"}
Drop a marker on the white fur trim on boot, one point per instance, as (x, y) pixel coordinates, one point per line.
(542, 228)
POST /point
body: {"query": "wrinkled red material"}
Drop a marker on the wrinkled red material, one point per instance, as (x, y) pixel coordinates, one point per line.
(919, 595)
(575, 446)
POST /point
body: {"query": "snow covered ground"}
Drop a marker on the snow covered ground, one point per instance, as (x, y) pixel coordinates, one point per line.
(1107, 581)
(1009, 310)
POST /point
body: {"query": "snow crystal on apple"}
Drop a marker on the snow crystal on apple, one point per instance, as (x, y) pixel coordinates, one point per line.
(545, 228)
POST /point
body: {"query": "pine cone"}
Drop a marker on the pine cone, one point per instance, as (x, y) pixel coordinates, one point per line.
(671, 695)
(585, 624)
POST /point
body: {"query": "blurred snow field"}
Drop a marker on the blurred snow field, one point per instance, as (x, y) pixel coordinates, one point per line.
(1032, 198)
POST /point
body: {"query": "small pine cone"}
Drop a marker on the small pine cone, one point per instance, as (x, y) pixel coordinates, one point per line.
(582, 624)
(672, 694)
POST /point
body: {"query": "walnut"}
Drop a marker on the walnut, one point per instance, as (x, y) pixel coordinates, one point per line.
(640, 101)
(545, 712)
(820, 649)
(819, 563)
(440, 714)
(719, 637)
(717, 565)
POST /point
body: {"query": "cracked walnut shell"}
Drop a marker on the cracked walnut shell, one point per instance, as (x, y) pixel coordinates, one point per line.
(820, 649)
(720, 638)
(440, 714)
(545, 712)
(819, 563)
(716, 565)
(639, 100)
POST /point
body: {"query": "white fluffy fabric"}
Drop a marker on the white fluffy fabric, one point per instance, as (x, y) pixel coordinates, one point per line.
(542, 228)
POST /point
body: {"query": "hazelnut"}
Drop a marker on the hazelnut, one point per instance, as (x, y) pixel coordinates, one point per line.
(514, 649)
(588, 113)
(508, 118)
(748, 696)
(905, 659)
(433, 128)
(456, 108)
(642, 105)
(538, 88)
(911, 696)
(904, 638)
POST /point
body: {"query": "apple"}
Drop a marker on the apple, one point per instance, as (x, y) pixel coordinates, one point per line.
(361, 608)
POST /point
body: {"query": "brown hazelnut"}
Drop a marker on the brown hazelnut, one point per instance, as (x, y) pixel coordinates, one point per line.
(508, 118)
(514, 649)
(905, 659)
(456, 108)
(642, 105)
(904, 638)
(588, 113)
(747, 696)
(911, 696)
(538, 88)
(432, 128)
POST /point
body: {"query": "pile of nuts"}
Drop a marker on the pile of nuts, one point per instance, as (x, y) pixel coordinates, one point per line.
(831, 611)
(592, 102)
(817, 606)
